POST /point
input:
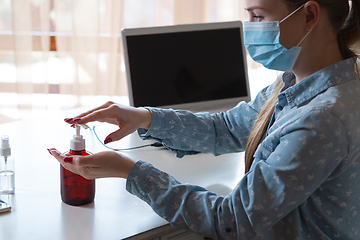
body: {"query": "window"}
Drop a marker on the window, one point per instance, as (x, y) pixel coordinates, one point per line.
(61, 54)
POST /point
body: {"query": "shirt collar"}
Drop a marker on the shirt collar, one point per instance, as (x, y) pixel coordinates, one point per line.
(318, 82)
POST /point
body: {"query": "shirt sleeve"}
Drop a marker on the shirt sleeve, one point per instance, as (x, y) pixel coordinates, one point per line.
(308, 152)
(189, 133)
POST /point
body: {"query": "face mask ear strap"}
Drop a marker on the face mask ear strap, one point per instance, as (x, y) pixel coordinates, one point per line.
(304, 37)
(292, 13)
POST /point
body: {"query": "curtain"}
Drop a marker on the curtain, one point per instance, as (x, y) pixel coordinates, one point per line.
(62, 54)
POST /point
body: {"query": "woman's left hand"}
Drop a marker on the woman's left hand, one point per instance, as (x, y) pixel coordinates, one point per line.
(98, 165)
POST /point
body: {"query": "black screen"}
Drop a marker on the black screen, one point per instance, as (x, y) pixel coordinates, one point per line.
(185, 67)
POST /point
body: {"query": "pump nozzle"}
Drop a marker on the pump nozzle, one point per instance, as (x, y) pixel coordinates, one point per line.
(78, 143)
(84, 126)
(77, 127)
(5, 149)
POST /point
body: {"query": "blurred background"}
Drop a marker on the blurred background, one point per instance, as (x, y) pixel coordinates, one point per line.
(57, 55)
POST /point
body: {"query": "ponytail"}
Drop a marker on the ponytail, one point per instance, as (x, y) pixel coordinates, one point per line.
(349, 34)
(260, 126)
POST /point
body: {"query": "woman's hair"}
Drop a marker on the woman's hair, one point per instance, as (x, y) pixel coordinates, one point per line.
(346, 24)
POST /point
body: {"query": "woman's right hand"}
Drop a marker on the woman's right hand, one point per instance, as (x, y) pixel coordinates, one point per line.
(129, 119)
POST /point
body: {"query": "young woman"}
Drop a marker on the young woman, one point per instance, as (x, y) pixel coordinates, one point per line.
(301, 134)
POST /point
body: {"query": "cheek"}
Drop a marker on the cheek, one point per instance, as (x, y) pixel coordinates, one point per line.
(289, 38)
(290, 34)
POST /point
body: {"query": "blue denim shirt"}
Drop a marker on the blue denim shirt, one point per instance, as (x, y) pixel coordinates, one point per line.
(303, 183)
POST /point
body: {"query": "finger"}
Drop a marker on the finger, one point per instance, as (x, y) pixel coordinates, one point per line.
(118, 135)
(85, 161)
(104, 115)
(71, 120)
(58, 155)
(106, 105)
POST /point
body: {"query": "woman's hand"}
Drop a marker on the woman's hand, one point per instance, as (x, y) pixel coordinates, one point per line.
(129, 119)
(99, 165)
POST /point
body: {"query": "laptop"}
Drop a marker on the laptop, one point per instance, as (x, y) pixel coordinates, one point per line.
(196, 67)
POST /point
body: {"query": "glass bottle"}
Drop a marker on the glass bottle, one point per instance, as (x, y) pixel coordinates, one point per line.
(7, 167)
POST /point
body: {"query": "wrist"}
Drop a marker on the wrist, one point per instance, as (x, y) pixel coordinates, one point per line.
(124, 165)
(127, 168)
(146, 117)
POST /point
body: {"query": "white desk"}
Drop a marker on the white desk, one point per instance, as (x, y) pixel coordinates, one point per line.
(38, 212)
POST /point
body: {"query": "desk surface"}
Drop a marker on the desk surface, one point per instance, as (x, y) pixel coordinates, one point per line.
(37, 209)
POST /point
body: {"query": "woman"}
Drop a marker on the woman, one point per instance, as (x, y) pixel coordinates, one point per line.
(301, 135)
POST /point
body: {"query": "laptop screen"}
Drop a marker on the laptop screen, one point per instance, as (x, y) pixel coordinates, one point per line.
(179, 66)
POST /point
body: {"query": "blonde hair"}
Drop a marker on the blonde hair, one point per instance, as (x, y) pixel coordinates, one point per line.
(260, 126)
(346, 23)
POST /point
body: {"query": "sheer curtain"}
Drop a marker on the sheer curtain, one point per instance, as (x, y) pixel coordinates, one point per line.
(24, 53)
(61, 54)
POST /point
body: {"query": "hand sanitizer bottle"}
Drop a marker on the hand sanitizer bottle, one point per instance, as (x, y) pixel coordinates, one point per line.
(7, 167)
(76, 190)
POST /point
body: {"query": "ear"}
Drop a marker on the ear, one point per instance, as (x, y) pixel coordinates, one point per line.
(312, 10)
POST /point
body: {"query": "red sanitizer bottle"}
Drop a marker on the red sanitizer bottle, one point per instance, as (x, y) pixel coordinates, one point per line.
(76, 190)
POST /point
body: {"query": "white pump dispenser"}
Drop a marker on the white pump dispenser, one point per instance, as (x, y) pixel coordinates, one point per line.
(5, 149)
(78, 142)
(7, 167)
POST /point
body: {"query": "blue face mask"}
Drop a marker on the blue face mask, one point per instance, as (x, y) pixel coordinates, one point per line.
(261, 40)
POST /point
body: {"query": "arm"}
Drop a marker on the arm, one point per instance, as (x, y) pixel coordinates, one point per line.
(182, 131)
(219, 133)
(276, 185)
